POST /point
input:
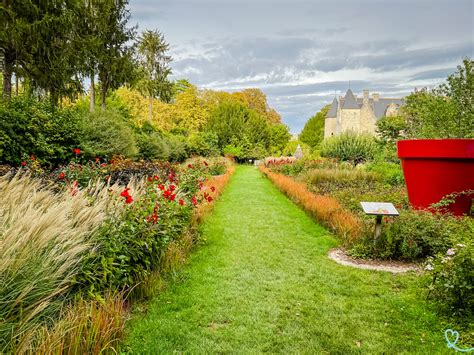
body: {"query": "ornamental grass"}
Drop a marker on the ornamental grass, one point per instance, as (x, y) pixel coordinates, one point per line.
(325, 209)
(43, 235)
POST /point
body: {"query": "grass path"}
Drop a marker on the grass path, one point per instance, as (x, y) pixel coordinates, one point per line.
(261, 281)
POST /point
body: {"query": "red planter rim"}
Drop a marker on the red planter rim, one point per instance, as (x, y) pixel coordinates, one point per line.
(436, 148)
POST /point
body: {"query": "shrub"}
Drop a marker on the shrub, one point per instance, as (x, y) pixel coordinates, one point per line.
(350, 147)
(31, 127)
(151, 144)
(452, 277)
(390, 172)
(105, 134)
(413, 235)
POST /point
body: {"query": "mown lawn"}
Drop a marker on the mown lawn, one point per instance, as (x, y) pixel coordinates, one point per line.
(261, 282)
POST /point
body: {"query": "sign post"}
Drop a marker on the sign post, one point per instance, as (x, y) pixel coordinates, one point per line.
(379, 209)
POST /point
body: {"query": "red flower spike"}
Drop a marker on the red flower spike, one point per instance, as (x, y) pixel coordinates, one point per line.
(76, 151)
(149, 179)
(172, 197)
(181, 202)
(161, 187)
(209, 199)
(213, 188)
(172, 188)
(128, 199)
(61, 176)
(23, 163)
(155, 177)
(194, 201)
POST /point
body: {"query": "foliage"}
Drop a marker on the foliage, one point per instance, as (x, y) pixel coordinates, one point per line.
(105, 133)
(452, 277)
(313, 131)
(350, 147)
(203, 144)
(240, 130)
(279, 137)
(445, 112)
(29, 127)
(391, 129)
(154, 63)
(391, 173)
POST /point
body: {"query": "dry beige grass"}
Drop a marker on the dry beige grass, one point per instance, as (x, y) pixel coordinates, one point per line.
(42, 237)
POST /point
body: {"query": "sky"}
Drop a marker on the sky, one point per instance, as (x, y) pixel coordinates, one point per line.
(301, 53)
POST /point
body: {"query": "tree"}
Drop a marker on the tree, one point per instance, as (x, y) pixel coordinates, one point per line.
(279, 138)
(40, 38)
(391, 128)
(114, 58)
(445, 112)
(154, 62)
(460, 89)
(313, 131)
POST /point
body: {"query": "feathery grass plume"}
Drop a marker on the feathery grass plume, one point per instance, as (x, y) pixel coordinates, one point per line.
(42, 238)
(325, 209)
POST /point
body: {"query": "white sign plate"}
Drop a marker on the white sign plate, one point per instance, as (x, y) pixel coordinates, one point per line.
(379, 208)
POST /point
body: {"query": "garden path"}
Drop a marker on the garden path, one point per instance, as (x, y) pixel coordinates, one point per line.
(261, 281)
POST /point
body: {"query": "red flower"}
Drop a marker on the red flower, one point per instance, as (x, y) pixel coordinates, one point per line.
(209, 198)
(172, 188)
(172, 197)
(161, 186)
(155, 177)
(61, 176)
(181, 202)
(76, 151)
(213, 188)
(128, 199)
(167, 194)
(190, 166)
(103, 165)
(125, 192)
(194, 201)
(23, 163)
(150, 179)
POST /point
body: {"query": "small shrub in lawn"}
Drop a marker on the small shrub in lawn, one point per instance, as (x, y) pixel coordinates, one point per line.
(351, 147)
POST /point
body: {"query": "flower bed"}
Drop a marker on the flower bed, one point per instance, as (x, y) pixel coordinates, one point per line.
(80, 233)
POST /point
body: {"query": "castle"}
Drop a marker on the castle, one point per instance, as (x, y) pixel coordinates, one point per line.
(350, 113)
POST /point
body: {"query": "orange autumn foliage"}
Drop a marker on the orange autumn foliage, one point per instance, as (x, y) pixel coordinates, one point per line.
(325, 209)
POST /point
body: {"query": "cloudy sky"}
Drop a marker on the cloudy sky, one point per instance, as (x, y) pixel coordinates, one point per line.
(302, 52)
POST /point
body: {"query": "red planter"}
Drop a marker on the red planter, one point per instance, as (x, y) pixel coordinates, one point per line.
(434, 168)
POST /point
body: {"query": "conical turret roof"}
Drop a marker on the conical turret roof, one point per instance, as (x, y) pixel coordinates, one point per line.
(333, 109)
(349, 100)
